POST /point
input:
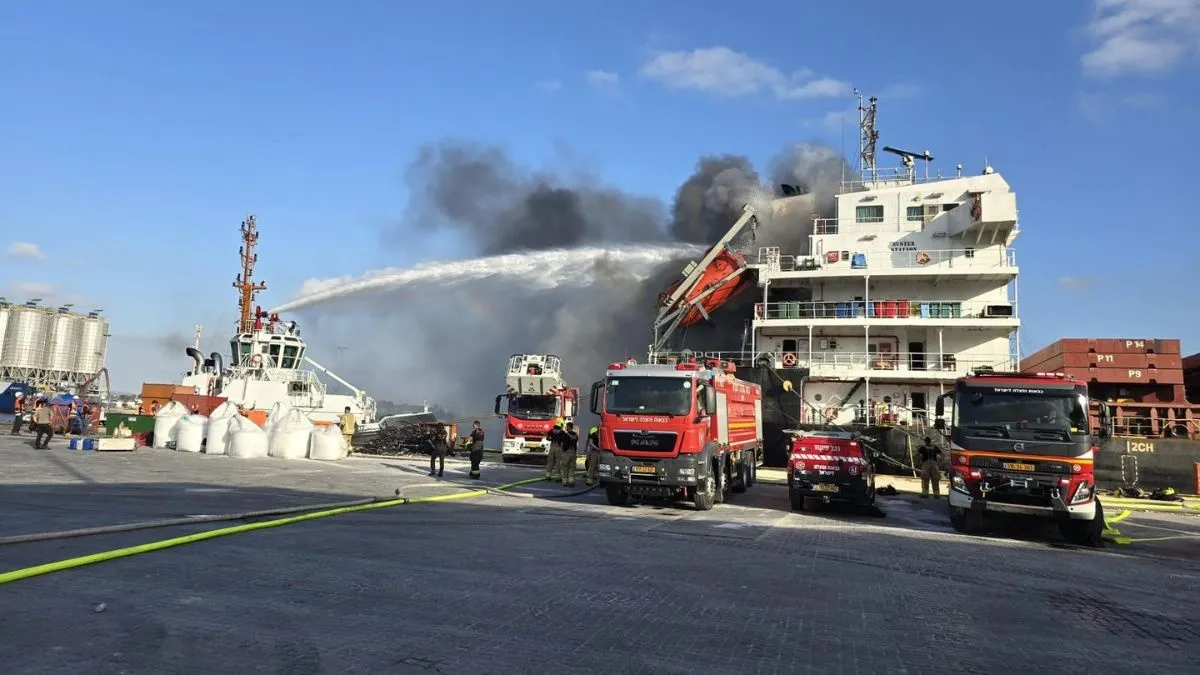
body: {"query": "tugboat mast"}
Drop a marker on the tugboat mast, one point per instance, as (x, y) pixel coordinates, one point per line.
(244, 282)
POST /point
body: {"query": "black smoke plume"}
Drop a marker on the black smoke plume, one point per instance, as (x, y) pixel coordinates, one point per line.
(449, 344)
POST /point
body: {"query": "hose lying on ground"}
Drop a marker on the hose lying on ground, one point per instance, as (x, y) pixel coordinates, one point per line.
(70, 563)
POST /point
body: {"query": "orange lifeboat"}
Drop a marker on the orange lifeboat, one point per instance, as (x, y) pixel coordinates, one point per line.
(717, 274)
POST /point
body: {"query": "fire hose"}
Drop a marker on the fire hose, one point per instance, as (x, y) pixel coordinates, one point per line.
(326, 511)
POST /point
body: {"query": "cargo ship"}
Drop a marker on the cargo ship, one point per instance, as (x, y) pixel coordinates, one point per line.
(911, 284)
(267, 360)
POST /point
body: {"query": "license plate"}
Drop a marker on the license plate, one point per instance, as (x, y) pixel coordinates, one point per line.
(533, 445)
(645, 468)
(825, 487)
(1018, 467)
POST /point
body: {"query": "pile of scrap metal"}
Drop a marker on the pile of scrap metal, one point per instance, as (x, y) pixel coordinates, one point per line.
(405, 439)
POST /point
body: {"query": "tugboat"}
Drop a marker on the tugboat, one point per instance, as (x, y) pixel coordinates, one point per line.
(266, 359)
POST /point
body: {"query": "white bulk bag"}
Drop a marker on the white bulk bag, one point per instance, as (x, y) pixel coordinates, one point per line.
(164, 422)
(278, 411)
(217, 437)
(189, 433)
(288, 438)
(328, 444)
(246, 439)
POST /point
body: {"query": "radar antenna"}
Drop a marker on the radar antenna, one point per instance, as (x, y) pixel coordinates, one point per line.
(908, 158)
(244, 282)
(867, 136)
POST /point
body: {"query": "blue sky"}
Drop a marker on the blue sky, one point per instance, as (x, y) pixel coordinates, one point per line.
(138, 134)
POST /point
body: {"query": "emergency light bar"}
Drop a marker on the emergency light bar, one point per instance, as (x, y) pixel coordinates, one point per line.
(992, 373)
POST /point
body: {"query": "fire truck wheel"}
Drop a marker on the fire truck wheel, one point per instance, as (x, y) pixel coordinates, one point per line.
(617, 495)
(753, 470)
(797, 500)
(965, 521)
(721, 478)
(1085, 532)
(706, 498)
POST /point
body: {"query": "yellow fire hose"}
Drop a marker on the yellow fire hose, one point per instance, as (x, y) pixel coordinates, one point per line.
(47, 568)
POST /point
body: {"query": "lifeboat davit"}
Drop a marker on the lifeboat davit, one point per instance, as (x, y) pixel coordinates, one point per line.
(725, 264)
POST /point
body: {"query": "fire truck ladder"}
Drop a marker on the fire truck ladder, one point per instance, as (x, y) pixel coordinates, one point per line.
(673, 310)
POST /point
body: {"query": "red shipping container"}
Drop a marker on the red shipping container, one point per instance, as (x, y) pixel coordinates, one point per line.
(1126, 375)
(1098, 360)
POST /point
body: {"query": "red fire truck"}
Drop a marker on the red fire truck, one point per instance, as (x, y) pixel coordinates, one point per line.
(689, 430)
(536, 398)
(1020, 443)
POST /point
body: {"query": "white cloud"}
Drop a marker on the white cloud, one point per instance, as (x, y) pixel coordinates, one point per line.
(24, 250)
(1141, 37)
(725, 72)
(549, 85)
(30, 289)
(835, 120)
(603, 80)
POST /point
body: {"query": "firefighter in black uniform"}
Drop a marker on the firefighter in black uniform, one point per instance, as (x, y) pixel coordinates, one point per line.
(476, 448)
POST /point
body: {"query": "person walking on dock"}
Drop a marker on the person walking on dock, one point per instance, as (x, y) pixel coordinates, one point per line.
(554, 454)
(570, 452)
(476, 448)
(930, 454)
(346, 423)
(591, 462)
(41, 424)
(18, 414)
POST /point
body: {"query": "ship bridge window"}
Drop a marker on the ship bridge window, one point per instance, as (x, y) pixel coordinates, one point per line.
(290, 356)
(914, 214)
(241, 351)
(297, 388)
(273, 360)
(872, 213)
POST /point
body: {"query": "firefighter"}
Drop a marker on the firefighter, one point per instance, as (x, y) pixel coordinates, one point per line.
(437, 452)
(346, 423)
(554, 455)
(476, 448)
(930, 454)
(591, 461)
(18, 414)
(570, 451)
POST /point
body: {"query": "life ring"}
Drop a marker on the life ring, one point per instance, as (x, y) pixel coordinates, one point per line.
(256, 360)
(790, 360)
(922, 258)
(831, 413)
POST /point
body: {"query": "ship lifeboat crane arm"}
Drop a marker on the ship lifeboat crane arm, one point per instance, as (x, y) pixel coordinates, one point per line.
(687, 297)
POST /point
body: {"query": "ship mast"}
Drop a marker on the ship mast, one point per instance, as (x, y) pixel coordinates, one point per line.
(245, 281)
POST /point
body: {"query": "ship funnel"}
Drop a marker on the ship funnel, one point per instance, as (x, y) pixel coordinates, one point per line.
(197, 357)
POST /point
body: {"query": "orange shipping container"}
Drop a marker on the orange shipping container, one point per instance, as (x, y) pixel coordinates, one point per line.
(1098, 360)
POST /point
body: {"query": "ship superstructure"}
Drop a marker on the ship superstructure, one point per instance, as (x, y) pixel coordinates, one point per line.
(910, 285)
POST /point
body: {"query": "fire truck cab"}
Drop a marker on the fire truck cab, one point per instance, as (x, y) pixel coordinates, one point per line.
(536, 398)
(684, 431)
(1020, 443)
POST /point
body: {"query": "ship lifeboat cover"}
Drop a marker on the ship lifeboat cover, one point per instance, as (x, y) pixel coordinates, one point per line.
(724, 264)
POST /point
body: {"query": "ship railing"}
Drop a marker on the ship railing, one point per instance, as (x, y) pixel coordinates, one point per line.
(1153, 420)
(837, 363)
(890, 177)
(875, 259)
(900, 308)
(832, 362)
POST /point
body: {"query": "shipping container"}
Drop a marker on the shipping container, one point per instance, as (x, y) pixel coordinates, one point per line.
(138, 424)
(1099, 360)
(1125, 375)
(1138, 393)
(1103, 346)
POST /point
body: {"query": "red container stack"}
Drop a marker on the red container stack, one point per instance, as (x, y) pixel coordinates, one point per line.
(1141, 370)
